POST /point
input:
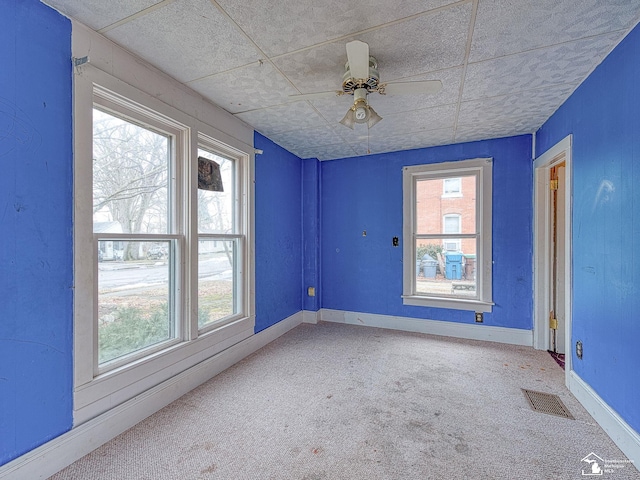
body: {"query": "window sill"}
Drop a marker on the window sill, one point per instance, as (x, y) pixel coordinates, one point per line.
(452, 303)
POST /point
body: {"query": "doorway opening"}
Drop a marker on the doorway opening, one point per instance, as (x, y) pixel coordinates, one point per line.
(552, 251)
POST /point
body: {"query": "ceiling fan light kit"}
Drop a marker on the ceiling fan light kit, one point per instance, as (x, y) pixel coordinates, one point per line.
(360, 78)
(360, 111)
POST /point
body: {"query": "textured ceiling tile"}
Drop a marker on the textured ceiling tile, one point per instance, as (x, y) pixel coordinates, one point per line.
(288, 25)
(508, 26)
(388, 143)
(473, 133)
(416, 121)
(188, 39)
(308, 138)
(421, 45)
(246, 88)
(565, 63)
(331, 152)
(283, 118)
(98, 14)
(532, 107)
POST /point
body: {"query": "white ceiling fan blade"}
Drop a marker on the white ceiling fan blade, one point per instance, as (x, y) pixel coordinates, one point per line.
(316, 96)
(358, 57)
(401, 88)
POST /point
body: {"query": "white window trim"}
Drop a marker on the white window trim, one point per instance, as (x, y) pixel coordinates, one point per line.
(483, 168)
(97, 393)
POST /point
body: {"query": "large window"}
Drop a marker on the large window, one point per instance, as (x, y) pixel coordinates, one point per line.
(162, 240)
(135, 232)
(447, 237)
(219, 239)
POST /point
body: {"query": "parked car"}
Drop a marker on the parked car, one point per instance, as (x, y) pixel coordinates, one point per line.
(156, 252)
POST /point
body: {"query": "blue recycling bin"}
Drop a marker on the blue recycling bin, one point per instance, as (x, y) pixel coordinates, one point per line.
(453, 265)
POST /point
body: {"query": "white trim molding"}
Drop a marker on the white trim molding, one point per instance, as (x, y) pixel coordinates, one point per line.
(513, 336)
(625, 437)
(309, 316)
(62, 451)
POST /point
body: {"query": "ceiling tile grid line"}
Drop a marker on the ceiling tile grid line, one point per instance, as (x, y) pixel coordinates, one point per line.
(472, 23)
(138, 14)
(505, 65)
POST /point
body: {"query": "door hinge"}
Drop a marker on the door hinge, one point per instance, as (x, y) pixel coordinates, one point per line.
(553, 184)
(553, 323)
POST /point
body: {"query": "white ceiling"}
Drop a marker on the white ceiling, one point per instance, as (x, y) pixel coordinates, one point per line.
(505, 65)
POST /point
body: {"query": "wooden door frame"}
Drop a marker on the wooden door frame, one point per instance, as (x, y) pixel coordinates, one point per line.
(541, 238)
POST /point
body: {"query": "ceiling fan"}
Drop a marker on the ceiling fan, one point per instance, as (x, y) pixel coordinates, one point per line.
(360, 79)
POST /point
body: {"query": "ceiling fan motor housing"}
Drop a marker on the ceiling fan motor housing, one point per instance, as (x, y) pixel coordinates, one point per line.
(350, 84)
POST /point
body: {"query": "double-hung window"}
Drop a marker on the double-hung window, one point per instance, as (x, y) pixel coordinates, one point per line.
(138, 238)
(162, 240)
(447, 236)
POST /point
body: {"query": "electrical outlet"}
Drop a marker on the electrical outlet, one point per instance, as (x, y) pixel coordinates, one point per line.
(479, 317)
(579, 349)
(311, 291)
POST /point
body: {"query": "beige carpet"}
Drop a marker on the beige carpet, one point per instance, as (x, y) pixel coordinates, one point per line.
(332, 401)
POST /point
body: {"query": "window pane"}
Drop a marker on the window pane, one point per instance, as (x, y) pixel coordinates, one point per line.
(451, 186)
(446, 273)
(134, 300)
(432, 206)
(451, 224)
(216, 271)
(215, 209)
(130, 177)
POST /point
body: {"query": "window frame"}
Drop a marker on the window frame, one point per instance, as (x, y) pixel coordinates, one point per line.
(122, 108)
(482, 169)
(211, 145)
(98, 391)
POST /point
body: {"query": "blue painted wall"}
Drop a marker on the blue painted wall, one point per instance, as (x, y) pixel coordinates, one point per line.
(36, 226)
(278, 233)
(364, 274)
(603, 115)
(311, 233)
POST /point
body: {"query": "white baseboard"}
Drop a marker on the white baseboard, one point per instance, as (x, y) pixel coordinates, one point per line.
(487, 333)
(62, 451)
(310, 317)
(625, 437)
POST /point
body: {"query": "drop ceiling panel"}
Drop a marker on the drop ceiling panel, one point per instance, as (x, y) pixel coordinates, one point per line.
(407, 141)
(413, 47)
(329, 152)
(565, 63)
(283, 118)
(526, 108)
(257, 85)
(415, 121)
(288, 25)
(188, 39)
(482, 132)
(309, 137)
(98, 14)
(509, 26)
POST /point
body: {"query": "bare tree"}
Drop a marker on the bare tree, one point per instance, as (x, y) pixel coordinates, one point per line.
(130, 172)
